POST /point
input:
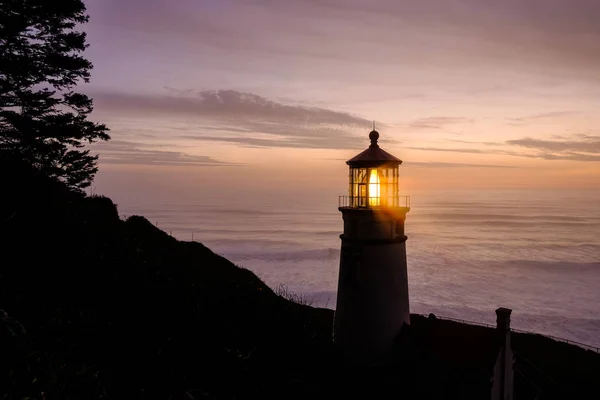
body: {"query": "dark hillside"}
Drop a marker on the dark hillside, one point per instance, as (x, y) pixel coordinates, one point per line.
(121, 307)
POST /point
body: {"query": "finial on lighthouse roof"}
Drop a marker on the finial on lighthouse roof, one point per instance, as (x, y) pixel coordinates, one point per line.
(374, 156)
(374, 136)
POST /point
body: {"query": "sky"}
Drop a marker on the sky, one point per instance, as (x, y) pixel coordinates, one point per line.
(257, 94)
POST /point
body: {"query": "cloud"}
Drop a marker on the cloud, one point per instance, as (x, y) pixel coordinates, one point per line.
(226, 104)
(437, 122)
(435, 164)
(123, 152)
(552, 114)
(548, 35)
(245, 118)
(588, 144)
(317, 143)
(471, 142)
(585, 148)
(520, 121)
(570, 156)
(470, 151)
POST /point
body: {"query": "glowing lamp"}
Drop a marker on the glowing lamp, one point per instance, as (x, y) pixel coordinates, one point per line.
(373, 177)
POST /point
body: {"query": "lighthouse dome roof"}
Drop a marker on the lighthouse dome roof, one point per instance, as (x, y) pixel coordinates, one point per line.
(374, 156)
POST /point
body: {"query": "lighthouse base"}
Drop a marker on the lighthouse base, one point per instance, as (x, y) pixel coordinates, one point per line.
(372, 300)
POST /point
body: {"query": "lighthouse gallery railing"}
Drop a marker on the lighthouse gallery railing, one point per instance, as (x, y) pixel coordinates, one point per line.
(373, 202)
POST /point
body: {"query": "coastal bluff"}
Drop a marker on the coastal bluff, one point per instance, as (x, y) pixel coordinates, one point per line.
(92, 306)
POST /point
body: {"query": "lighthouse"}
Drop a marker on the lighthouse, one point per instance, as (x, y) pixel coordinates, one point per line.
(372, 297)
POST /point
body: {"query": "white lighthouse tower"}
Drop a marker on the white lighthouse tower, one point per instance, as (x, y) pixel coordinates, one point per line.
(372, 298)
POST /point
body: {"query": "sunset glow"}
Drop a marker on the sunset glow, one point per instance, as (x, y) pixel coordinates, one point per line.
(470, 94)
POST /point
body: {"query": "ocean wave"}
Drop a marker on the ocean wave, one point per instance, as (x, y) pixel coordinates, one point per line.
(269, 212)
(500, 217)
(238, 232)
(490, 223)
(248, 245)
(501, 205)
(290, 254)
(546, 265)
(285, 255)
(533, 245)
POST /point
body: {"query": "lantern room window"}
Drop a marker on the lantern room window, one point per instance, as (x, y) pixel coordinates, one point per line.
(373, 187)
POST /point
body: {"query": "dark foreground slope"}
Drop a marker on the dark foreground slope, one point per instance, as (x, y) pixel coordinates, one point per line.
(95, 307)
(100, 306)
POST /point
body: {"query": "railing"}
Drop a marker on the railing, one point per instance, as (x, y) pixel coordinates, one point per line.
(373, 202)
(558, 339)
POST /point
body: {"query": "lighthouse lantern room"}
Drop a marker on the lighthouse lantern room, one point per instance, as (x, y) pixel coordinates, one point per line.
(373, 177)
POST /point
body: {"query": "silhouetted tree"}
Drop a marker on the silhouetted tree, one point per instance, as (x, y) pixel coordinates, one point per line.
(42, 119)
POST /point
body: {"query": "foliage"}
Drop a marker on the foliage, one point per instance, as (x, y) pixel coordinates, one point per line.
(42, 118)
(298, 298)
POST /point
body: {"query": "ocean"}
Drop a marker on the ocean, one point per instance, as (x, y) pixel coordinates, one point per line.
(469, 251)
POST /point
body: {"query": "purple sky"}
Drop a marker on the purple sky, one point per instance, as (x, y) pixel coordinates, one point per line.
(468, 93)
